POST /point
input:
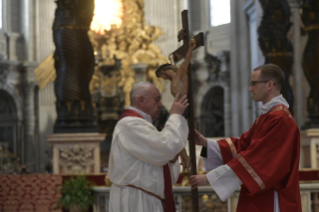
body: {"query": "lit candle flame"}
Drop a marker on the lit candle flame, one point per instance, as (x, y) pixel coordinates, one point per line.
(107, 13)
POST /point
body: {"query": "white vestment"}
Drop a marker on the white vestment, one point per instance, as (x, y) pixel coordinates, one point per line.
(221, 177)
(137, 156)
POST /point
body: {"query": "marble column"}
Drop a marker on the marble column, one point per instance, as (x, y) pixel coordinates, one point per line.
(12, 45)
(29, 145)
(194, 14)
(28, 28)
(295, 11)
(254, 12)
(165, 14)
(44, 32)
(47, 112)
(240, 69)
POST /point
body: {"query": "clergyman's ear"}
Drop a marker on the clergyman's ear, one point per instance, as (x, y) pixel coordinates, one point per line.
(140, 100)
(271, 84)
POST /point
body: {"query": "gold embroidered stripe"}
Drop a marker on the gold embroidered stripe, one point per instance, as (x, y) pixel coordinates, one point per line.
(231, 146)
(279, 108)
(250, 170)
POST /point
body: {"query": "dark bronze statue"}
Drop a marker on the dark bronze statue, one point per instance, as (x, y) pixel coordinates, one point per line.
(274, 43)
(310, 61)
(74, 64)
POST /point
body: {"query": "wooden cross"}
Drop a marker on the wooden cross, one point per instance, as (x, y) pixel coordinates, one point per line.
(178, 55)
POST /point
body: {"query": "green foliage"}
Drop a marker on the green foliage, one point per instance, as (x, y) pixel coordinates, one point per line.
(76, 192)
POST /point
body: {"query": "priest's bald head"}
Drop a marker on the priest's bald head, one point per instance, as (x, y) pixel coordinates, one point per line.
(266, 82)
(146, 97)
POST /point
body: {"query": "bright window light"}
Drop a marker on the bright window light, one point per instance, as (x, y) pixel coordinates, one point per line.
(219, 12)
(107, 13)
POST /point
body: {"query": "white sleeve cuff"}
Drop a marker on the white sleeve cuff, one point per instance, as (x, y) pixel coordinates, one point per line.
(214, 157)
(175, 170)
(224, 181)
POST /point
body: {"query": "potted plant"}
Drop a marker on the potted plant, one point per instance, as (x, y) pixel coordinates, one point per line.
(76, 194)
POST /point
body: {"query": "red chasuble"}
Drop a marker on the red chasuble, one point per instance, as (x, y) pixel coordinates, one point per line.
(168, 190)
(266, 159)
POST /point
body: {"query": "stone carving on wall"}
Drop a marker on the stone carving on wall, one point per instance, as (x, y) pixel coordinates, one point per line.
(310, 62)
(213, 65)
(76, 153)
(4, 70)
(76, 159)
(211, 116)
(274, 43)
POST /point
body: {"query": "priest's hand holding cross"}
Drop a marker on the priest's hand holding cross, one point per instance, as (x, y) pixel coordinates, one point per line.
(199, 180)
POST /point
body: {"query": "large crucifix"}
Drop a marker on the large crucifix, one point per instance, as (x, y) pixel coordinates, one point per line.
(181, 82)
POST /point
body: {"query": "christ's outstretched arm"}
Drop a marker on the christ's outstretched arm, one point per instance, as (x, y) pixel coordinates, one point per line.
(183, 68)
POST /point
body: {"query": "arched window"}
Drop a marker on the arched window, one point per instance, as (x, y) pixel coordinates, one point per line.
(219, 12)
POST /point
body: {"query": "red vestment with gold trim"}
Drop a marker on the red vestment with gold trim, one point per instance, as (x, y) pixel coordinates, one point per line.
(266, 159)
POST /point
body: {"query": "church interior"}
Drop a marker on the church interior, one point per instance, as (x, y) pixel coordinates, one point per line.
(67, 68)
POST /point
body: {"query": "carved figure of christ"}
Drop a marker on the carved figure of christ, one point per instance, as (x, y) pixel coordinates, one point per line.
(177, 76)
(179, 83)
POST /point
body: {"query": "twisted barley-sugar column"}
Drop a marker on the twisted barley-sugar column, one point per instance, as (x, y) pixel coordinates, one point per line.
(74, 64)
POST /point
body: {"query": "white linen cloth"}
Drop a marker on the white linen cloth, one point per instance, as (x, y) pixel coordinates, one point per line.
(221, 177)
(137, 156)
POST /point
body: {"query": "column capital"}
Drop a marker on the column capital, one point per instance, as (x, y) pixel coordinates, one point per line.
(249, 7)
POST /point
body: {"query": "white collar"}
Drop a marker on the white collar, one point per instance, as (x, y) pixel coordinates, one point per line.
(278, 100)
(144, 115)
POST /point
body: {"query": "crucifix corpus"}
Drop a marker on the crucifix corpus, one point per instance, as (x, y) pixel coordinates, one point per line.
(181, 81)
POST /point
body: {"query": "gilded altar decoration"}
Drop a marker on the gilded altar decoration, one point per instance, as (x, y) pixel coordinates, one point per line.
(131, 43)
(274, 42)
(107, 180)
(45, 72)
(76, 159)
